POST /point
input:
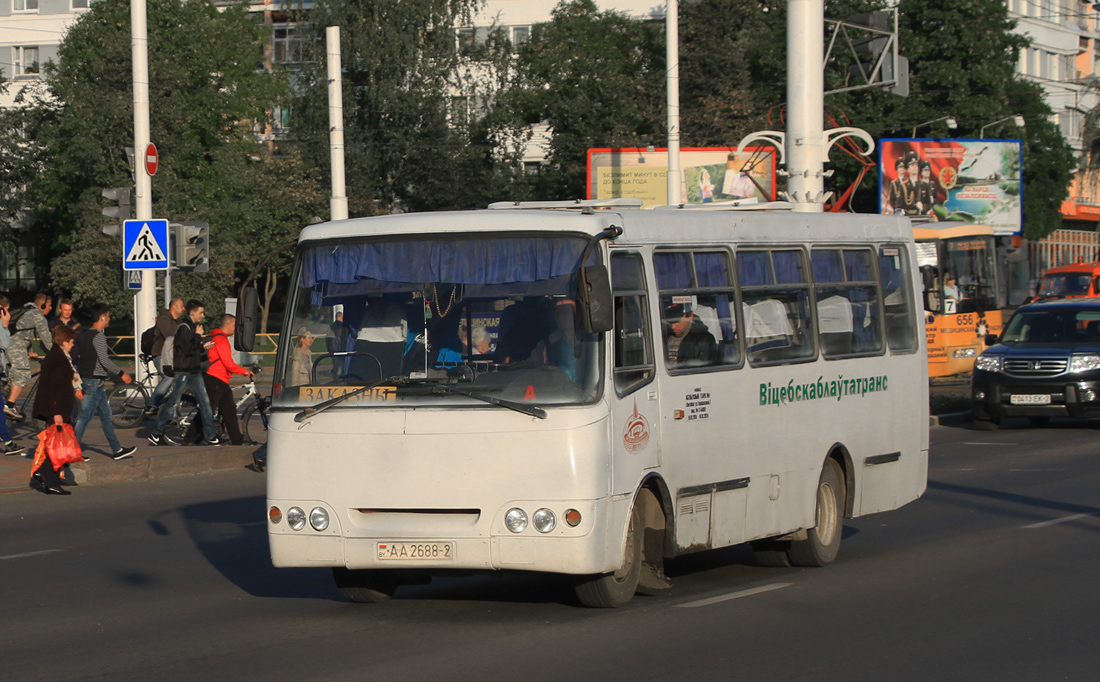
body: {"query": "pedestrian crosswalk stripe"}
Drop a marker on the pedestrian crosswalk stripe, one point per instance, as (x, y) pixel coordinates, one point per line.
(145, 248)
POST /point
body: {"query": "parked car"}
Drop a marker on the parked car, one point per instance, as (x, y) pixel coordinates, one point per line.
(1079, 280)
(1045, 364)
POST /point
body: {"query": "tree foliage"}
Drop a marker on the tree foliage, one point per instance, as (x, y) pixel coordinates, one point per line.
(205, 94)
(413, 137)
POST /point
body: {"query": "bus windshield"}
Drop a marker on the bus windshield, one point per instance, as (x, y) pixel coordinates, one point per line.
(959, 275)
(457, 321)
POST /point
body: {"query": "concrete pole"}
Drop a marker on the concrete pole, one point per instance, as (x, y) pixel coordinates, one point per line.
(338, 204)
(145, 302)
(805, 141)
(672, 59)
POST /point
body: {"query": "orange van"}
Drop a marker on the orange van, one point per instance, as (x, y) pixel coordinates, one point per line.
(1080, 280)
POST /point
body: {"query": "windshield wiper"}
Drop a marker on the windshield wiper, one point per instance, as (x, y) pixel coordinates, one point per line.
(451, 389)
(332, 402)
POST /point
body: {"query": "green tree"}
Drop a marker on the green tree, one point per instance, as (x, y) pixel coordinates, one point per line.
(414, 134)
(596, 79)
(961, 60)
(205, 96)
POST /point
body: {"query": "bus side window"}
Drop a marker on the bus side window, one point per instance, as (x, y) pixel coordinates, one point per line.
(775, 290)
(633, 351)
(894, 273)
(848, 321)
(699, 323)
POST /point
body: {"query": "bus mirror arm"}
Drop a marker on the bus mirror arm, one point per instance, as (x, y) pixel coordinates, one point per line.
(594, 288)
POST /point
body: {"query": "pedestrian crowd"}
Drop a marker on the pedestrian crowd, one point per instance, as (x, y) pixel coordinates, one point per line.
(72, 380)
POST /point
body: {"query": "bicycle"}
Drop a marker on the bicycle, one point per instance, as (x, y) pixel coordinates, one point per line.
(128, 402)
(253, 419)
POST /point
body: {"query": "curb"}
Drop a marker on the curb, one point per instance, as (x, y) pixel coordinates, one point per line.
(179, 462)
(951, 419)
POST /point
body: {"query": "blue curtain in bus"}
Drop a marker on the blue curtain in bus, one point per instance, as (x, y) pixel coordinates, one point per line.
(466, 261)
(788, 267)
(826, 266)
(673, 270)
(752, 268)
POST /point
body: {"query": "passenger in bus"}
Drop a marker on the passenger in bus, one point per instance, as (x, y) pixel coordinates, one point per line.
(561, 344)
(382, 339)
(301, 361)
(688, 342)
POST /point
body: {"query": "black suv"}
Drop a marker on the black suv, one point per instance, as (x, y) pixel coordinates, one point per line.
(1046, 364)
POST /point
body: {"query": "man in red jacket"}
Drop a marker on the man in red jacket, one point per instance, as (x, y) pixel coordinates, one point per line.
(217, 377)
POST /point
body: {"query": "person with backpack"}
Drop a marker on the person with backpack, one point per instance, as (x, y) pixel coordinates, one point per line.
(188, 349)
(9, 446)
(153, 346)
(95, 366)
(26, 323)
(217, 379)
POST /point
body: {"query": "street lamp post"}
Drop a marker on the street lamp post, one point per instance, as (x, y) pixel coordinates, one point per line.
(1015, 118)
(952, 124)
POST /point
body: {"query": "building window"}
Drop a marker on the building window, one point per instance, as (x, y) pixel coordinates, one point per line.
(466, 38)
(25, 61)
(25, 5)
(288, 46)
(460, 112)
(80, 4)
(520, 34)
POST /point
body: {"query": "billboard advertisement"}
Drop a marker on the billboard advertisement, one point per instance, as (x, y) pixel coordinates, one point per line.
(711, 174)
(976, 181)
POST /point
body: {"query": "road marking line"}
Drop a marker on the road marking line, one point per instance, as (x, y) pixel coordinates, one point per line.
(1036, 469)
(986, 443)
(1064, 519)
(27, 554)
(732, 595)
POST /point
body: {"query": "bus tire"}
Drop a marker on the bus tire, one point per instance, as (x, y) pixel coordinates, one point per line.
(771, 553)
(822, 542)
(611, 590)
(365, 586)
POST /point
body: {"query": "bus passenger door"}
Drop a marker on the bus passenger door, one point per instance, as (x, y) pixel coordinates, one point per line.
(635, 412)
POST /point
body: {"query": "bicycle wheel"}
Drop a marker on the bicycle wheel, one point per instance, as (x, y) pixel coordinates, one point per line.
(254, 425)
(187, 413)
(128, 403)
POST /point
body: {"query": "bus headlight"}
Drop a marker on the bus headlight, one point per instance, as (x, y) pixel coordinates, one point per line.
(988, 363)
(318, 518)
(965, 352)
(544, 520)
(1084, 363)
(516, 520)
(296, 518)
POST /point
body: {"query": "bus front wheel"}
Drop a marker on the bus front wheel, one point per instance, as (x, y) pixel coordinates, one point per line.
(822, 542)
(610, 590)
(365, 586)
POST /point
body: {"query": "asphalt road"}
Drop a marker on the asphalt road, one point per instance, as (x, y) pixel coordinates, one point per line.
(990, 576)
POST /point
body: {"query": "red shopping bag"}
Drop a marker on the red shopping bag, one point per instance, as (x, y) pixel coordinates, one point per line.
(61, 445)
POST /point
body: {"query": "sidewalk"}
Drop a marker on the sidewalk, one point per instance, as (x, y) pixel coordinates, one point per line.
(148, 462)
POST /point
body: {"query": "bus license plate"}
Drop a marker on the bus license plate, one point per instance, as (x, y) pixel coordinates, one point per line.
(416, 551)
(1031, 399)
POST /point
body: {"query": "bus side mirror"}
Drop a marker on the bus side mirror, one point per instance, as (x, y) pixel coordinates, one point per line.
(248, 319)
(594, 300)
(991, 339)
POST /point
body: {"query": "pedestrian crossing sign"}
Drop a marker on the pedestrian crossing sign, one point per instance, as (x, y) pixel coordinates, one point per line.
(145, 245)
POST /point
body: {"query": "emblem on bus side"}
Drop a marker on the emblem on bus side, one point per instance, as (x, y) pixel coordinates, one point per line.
(636, 432)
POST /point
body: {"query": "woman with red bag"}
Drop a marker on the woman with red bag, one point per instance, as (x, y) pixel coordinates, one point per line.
(58, 385)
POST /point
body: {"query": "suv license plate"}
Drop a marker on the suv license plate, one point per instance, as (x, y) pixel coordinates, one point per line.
(416, 551)
(1031, 399)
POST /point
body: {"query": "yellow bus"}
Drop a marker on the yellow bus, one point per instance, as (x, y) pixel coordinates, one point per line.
(958, 272)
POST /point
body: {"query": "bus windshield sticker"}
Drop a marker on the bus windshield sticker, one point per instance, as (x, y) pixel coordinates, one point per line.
(316, 394)
(636, 431)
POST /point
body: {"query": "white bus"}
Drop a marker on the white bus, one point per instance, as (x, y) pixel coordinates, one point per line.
(591, 391)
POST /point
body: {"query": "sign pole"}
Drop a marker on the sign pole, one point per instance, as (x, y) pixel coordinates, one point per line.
(145, 306)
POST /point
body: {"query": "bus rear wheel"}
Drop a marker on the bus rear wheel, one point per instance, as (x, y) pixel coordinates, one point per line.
(365, 586)
(611, 590)
(822, 542)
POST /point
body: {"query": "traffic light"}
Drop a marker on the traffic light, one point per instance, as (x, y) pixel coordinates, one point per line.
(120, 212)
(192, 246)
